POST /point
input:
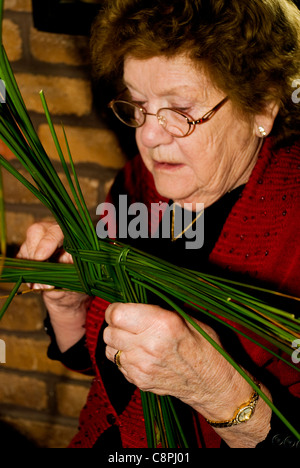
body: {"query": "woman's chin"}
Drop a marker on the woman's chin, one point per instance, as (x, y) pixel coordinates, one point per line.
(174, 193)
(171, 186)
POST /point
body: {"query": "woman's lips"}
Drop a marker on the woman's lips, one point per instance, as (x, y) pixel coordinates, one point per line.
(165, 166)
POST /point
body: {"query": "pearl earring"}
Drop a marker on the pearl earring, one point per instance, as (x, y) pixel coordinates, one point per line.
(262, 132)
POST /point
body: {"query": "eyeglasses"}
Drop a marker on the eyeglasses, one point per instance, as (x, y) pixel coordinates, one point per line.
(173, 121)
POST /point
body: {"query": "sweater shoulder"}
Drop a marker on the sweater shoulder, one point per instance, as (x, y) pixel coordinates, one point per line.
(275, 180)
(259, 237)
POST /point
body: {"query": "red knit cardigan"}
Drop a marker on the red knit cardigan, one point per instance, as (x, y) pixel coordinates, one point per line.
(259, 238)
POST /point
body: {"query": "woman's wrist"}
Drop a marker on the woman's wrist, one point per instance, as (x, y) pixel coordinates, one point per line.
(222, 396)
(68, 322)
(250, 433)
(223, 403)
(68, 329)
(247, 434)
(61, 304)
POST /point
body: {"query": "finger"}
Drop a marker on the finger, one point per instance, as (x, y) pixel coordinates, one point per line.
(33, 237)
(118, 339)
(111, 356)
(66, 258)
(39, 287)
(110, 353)
(23, 252)
(46, 247)
(134, 318)
(42, 287)
(42, 241)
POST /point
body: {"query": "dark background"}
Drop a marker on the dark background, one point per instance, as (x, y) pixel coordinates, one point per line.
(69, 16)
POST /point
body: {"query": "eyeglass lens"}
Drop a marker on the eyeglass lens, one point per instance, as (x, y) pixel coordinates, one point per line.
(172, 121)
(128, 113)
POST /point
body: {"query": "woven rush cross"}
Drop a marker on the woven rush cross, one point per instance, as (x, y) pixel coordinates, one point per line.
(117, 273)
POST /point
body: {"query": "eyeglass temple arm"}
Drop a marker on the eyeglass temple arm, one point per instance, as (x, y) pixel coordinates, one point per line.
(210, 113)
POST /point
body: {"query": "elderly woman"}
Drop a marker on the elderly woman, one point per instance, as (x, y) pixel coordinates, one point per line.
(211, 88)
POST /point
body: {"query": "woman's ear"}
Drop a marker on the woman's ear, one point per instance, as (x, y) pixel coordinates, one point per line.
(263, 123)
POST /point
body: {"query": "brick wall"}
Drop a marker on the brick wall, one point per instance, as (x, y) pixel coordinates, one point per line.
(40, 400)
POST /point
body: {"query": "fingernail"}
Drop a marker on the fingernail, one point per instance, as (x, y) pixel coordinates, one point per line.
(41, 255)
(42, 287)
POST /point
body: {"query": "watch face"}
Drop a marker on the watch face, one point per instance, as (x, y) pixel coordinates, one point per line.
(245, 414)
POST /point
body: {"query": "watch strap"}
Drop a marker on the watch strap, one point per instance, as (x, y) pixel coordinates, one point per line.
(243, 413)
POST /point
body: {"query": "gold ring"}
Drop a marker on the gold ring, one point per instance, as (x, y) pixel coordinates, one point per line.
(117, 358)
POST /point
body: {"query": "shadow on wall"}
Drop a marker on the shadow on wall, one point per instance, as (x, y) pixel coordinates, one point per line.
(103, 92)
(12, 439)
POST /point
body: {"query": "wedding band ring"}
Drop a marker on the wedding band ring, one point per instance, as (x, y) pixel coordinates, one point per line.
(117, 358)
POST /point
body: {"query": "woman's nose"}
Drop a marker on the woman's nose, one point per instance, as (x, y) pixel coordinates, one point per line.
(153, 134)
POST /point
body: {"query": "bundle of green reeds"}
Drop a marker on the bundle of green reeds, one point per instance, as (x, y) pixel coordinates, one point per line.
(118, 273)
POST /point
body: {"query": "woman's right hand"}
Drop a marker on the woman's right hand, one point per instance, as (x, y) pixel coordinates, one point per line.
(43, 240)
(67, 310)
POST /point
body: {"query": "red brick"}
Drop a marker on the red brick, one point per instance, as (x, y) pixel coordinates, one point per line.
(12, 40)
(59, 48)
(30, 354)
(18, 5)
(63, 95)
(87, 145)
(71, 399)
(22, 391)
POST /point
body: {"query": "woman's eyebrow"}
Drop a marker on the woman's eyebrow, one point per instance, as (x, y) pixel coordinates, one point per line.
(175, 91)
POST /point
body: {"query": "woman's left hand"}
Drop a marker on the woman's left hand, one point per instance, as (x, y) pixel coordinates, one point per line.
(165, 355)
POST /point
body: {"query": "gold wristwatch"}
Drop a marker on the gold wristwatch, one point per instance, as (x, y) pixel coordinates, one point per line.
(241, 415)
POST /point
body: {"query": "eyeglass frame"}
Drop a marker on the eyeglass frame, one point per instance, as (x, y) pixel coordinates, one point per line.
(192, 123)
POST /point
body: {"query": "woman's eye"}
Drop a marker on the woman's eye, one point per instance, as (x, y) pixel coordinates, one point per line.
(181, 107)
(184, 110)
